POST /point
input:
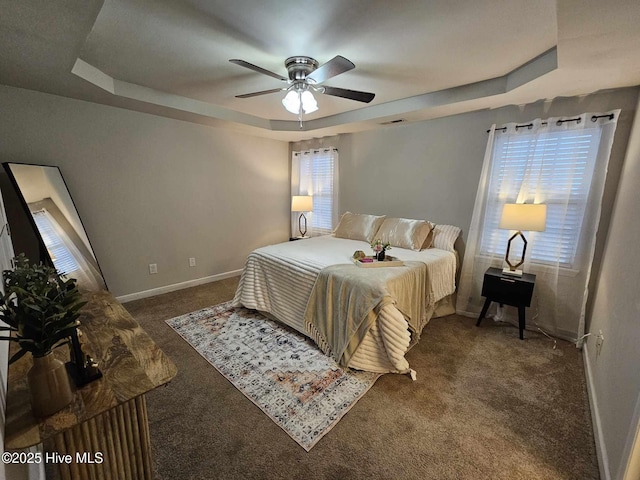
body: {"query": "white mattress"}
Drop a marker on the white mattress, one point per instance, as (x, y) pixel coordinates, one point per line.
(278, 279)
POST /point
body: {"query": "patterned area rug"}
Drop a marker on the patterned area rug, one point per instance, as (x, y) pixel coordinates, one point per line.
(304, 391)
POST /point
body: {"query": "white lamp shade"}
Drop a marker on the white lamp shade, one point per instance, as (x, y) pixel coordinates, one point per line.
(524, 216)
(301, 203)
(291, 102)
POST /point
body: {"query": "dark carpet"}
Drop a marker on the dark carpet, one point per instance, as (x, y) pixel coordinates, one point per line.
(485, 406)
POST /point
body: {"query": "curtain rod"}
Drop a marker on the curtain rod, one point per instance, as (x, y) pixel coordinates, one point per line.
(317, 151)
(559, 122)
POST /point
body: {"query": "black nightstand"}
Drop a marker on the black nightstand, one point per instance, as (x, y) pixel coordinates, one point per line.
(507, 290)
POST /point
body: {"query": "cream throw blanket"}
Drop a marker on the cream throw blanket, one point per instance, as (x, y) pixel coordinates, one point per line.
(346, 299)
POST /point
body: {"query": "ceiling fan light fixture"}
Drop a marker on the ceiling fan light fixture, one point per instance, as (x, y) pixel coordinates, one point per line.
(305, 76)
(309, 103)
(291, 102)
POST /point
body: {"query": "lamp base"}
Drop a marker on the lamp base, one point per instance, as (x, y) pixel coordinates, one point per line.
(301, 229)
(513, 273)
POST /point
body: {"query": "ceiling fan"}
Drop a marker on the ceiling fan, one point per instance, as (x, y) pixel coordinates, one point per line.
(305, 77)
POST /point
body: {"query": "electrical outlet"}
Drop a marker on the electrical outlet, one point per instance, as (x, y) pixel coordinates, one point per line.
(599, 342)
(153, 268)
(192, 261)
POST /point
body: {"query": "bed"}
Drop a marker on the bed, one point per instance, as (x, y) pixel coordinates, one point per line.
(279, 281)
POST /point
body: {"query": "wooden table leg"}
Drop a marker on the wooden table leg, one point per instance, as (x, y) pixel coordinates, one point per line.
(121, 435)
(485, 307)
(521, 322)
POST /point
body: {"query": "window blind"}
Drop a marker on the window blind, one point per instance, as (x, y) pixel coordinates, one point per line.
(543, 167)
(62, 258)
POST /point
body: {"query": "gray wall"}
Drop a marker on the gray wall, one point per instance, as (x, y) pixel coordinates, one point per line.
(615, 372)
(426, 170)
(151, 189)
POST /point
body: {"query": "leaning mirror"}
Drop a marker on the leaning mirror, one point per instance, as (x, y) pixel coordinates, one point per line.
(62, 238)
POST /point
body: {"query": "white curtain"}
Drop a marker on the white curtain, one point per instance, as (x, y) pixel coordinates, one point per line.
(560, 162)
(315, 173)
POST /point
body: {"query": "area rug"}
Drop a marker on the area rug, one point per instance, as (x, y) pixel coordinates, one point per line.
(302, 390)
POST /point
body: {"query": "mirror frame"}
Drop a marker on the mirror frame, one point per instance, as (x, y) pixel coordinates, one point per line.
(44, 253)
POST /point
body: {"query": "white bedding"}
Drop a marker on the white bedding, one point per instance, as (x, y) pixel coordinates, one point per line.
(278, 279)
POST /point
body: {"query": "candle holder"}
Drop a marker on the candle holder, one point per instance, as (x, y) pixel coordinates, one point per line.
(82, 368)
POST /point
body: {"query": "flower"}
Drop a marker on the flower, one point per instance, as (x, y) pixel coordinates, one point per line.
(378, 246)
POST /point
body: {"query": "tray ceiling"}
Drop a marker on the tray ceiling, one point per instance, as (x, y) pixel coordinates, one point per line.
(421, 59)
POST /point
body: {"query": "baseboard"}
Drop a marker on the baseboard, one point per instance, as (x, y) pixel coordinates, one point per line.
(601, 448)
(177, 286)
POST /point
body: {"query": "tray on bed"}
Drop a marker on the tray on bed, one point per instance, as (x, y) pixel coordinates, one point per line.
(388, 261)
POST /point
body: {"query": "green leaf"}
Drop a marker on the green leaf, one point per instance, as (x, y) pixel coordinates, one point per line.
(17, 356)
(35, 307)
(40, 305)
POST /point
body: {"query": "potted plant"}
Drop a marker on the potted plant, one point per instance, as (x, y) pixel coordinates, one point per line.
(41, 309)
(379, 248)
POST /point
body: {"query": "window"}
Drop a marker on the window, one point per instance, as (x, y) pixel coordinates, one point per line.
(315, 173)
(561, 162)
(554, 168)
(62, 257)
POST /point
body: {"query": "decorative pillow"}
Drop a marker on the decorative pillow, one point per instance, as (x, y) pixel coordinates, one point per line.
(428, 242)
(445, 237)
(358, 226)
(404, 232)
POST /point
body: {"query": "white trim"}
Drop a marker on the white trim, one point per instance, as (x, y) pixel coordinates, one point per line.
(601, 447)
(177, 286)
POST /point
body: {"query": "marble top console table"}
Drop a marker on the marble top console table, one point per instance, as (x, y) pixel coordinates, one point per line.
(107, 416)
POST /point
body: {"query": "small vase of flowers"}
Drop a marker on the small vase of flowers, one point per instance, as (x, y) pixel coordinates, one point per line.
(379, 248)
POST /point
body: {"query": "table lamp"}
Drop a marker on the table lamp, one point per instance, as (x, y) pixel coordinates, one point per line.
(521, 216)
(302, 203)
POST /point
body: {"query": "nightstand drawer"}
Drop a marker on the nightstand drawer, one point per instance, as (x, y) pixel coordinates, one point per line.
(514, 291)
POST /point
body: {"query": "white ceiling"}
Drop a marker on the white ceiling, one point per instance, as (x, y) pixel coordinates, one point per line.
(422, 59)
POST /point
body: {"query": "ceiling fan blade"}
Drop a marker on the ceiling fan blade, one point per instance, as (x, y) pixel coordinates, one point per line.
(255, 94)
(256, 68)
(356, 95)
(333, 67)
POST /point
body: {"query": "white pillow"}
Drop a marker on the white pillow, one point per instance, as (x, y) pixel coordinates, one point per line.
(358, 226)
(445, 236)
